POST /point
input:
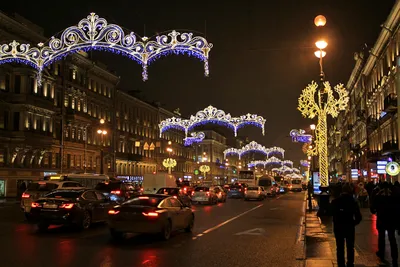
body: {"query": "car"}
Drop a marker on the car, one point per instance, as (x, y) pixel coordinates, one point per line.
(236, 191)
(283, 188)
(254, 192)
(176, 192)
(150, 214)
(295, 185)
(221, 194)
(268, 183)
(205, 195)
(72, 207)
(117, 190)
(38, 189)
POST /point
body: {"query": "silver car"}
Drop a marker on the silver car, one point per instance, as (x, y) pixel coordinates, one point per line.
(204, 195)
(255, 192)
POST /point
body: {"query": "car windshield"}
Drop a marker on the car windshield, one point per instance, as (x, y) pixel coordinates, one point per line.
(64, 194)
(147, 201)
(201, 188)
(235, 187)
(296, 181)
(264, 182)
(42, 186)
(252, 188)
(168, 191)
(108, 187)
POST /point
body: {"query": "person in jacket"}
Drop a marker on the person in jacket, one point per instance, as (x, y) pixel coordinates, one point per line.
(386, 209)
(346, 215)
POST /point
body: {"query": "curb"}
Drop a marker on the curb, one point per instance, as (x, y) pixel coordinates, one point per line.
(302, 236)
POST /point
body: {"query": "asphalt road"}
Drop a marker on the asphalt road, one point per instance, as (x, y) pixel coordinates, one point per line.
(235, 233)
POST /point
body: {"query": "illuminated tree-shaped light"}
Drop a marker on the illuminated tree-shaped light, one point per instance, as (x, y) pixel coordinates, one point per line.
(195, 138)
(300, 136)
(95, 33)
(288, 163)
(212, 115)
(169, 164)
(309, 108)
(276, 151)
(204, 169)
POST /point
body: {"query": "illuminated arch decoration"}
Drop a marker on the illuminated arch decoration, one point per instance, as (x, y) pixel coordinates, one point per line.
(253, 146)
(305, 163)
(288, 163)
(295, 170)
(273, 160)
(95, 33)
(231, 151)
(283, 170)
(300, 136)
(255, 163)
(276, 151)
(195, 138)
(212, 115)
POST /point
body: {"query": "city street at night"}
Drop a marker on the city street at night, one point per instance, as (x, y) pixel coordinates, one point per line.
(235, 233)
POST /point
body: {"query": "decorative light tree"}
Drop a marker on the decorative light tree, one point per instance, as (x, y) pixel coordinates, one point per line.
(204, 169)
(325, 105)
(169, 163)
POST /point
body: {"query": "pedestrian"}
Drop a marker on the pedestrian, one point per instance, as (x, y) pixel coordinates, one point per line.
(386, 209)
(346, 215)
(362, 195)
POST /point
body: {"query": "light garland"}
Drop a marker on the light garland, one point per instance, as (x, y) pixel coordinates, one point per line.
(288, 163)
(282, 170)
(94, 33)
(276, 150)
(212, 115)
(300, 136)
(195, 138)
(272, 160)
(309, 108)
(295, 170)
(305, 163)
(169, 163)
(250, 147)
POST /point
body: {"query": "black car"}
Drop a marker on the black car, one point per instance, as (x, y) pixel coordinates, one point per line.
(117, 190)
(150, 213)
(176, 192)
(79, 207)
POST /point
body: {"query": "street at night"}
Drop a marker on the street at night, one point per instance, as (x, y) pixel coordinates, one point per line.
(235, 233)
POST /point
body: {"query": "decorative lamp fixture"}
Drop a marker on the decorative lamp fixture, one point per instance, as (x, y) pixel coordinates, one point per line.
(195, 138)
(276, 150)
(204, 169)
(212, 115)
(95, 33)
(304, 163)
(300, 136)
(288, 163)
(169, 163)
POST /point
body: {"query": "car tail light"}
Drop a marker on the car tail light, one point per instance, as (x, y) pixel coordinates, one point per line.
(193, 193)
(143, 197)
(35, 205)
(175, 197)
(113, 212)
(220, 193)
(240, 190)
(25, 195)
(116, 192)
(272, 189)
(150, 214)
(67, 206)
(259, 192)
(208, 193)
(185, 189)
(141, 189)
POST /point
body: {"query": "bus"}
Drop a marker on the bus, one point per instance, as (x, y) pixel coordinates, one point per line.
(88, 180)
(246, 177)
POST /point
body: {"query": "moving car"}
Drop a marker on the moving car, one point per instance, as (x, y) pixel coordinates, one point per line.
(150, 213)
(117, 190)
(38, 189)
(76, 207)
(254, 192)
(221, 194)
(176, 192)
(268, 183)
(283, 188)
(295, 185)
(236, 191)
(205, 195)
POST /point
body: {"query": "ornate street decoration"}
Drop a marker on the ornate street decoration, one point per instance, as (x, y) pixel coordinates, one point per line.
(204, 169)
(283, 170)
(295, 170)
(276, 150)
(212, 115)
(251, 147)
(195, 138)
(300, 136)
(288, 163)
(305, 163)
(327, 104)
(169, 163)
(95, 33)
(269, 161)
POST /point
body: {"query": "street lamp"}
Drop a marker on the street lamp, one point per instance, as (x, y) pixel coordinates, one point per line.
(326, 104)
(102, 133)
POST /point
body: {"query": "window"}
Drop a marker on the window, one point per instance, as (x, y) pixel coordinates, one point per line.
(16, 121)
(72, 184)
(17, 84)
(89, 195)
(100, 196)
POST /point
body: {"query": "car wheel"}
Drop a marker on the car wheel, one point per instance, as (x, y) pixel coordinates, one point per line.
(166, 231)
(86, 221)
(116, 235)
(42, 227)
(189, 228)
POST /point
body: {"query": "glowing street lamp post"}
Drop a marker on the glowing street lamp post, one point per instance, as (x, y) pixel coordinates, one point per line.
(169, 163)
(204, 169)
(327, 104)
(102, 132)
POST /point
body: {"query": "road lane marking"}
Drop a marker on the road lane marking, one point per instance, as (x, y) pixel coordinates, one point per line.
(274, 208)
(231, 219)
(255, 231)
(200, 235)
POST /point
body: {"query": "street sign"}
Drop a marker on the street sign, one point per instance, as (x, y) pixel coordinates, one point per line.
(255, 231)
(196, 172)
(393, 168)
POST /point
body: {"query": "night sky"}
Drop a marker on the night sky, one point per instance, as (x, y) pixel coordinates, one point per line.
(263, 53)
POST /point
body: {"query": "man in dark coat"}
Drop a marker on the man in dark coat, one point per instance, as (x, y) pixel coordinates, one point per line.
(346, 215)
(386, 208)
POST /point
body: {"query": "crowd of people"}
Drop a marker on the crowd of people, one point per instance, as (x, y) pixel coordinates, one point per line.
(383, 200)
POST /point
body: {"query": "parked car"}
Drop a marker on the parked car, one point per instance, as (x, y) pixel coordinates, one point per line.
(176, 192)
(76, 207)
(150, 213)
(236, 191)
(221, 194)
(205, 195)
(38, 189)
(255, 192)
(117, 190)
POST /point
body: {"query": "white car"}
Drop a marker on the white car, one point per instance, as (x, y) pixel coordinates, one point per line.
(205, 195)
(255, 192)
(296, 185)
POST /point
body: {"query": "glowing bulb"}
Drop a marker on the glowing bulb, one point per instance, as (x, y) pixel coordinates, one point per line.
(99, 131)
(320, 21)
(318, 53)
(312, 126)
(104, 132)
(321, 44)
(101, 121)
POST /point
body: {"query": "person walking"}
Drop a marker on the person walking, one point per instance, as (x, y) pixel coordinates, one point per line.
(362, 195)
(346, 215)
(386, 208)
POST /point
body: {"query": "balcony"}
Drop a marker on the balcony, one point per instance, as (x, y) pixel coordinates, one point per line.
(75, 115)
(372, 123)
(390, 103)
(389, 147)
(373, 156)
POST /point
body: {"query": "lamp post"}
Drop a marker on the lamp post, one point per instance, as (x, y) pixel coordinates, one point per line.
(204, 169)
(326, 104)
(102, 133)
(169, 163)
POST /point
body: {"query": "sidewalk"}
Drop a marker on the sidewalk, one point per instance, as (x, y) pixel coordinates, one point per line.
(321, 246)
(9, 201)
